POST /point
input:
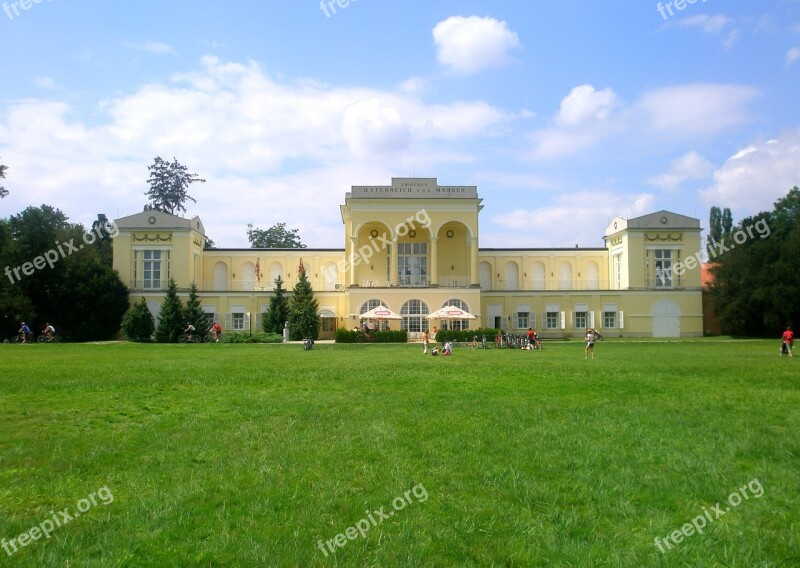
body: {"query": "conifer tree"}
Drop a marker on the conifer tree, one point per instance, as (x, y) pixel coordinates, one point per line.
(171, 318)
(274, 320)
(194, 314)
(303, 316)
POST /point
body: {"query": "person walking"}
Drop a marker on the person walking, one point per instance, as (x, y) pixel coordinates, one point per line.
(425, 341)
(788, 341)
(589, 344)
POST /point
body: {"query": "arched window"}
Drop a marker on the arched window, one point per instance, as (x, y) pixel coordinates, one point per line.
(248, 276)
(592, 276)
(330, 276)
(512, 276)
(486, 276)
(565, 276)
(539, 276)
(275, 270)
(457, 324)
(414, 312)
(371, 304)
(220, 277)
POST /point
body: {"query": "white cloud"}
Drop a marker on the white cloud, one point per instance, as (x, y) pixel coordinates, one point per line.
(585, 116)
(756, 176)
(371, 128)
(709, 24)
(701, 109)
(471, 44)
(792, 55)
(47, 83)
(572, 218)
(585, 105)
(281, 147)
(156, 47)
(690, 166)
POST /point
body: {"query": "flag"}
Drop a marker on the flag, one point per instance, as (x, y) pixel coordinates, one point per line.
(258, 269)
(300, 266)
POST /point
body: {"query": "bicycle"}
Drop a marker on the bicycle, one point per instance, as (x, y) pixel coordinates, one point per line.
(19, 339)
(211, 337)
(48, 339)
(183, 338)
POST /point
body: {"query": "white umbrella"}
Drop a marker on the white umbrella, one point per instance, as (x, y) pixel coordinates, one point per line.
(381, 312)
(451, 312)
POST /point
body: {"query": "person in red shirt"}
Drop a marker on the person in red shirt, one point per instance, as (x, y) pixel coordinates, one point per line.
(788, 340)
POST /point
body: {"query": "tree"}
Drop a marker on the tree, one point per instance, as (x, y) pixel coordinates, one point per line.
(92, 300)
(303, 317)
(171, 318)
(274, 320)
(276, 236)
(715, 225)
(755, 289)
(55, 278)
(102, 229)
(727, 222)
(194, 314)
(3, 190)
(138, 324)
(169, 186)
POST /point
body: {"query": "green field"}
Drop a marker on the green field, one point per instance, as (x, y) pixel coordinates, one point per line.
(250, 455)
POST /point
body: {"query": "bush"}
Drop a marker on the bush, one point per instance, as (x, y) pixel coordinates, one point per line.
(138, 324)
(233, 337)
(466, 335)
(391, 336)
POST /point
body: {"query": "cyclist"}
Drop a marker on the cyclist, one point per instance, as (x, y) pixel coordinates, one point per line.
(24, 332)
(49, 331)
(216, 331)
(188, 329)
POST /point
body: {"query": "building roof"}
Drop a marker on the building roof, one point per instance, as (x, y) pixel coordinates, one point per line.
(154, 219)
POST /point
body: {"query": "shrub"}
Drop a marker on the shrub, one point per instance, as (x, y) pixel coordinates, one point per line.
(138, 324)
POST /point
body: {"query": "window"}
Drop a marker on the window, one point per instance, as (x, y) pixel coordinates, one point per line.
(155, 268)
(412, 264)
(581, 320)
(414, 312)
(238, 321)
(328, 324)
(618, 271)
(609, 319)
(371, 304)
(460, 304)
(551, 320)
(663, 267)
(523, 314)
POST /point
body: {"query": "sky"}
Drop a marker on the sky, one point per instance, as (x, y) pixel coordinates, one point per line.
(563, 113)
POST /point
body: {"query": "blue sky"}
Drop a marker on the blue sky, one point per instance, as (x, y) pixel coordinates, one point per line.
(563, 113)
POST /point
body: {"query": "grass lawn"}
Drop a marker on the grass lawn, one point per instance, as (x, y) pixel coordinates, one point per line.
(257, 455)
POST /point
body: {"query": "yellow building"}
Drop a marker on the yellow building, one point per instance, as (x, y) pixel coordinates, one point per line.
(413, 247)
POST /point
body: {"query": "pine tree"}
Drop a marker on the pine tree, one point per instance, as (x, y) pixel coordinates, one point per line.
(303, 316)
(138, 324)
(171, 318)
(194, 314)
(274, 320)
